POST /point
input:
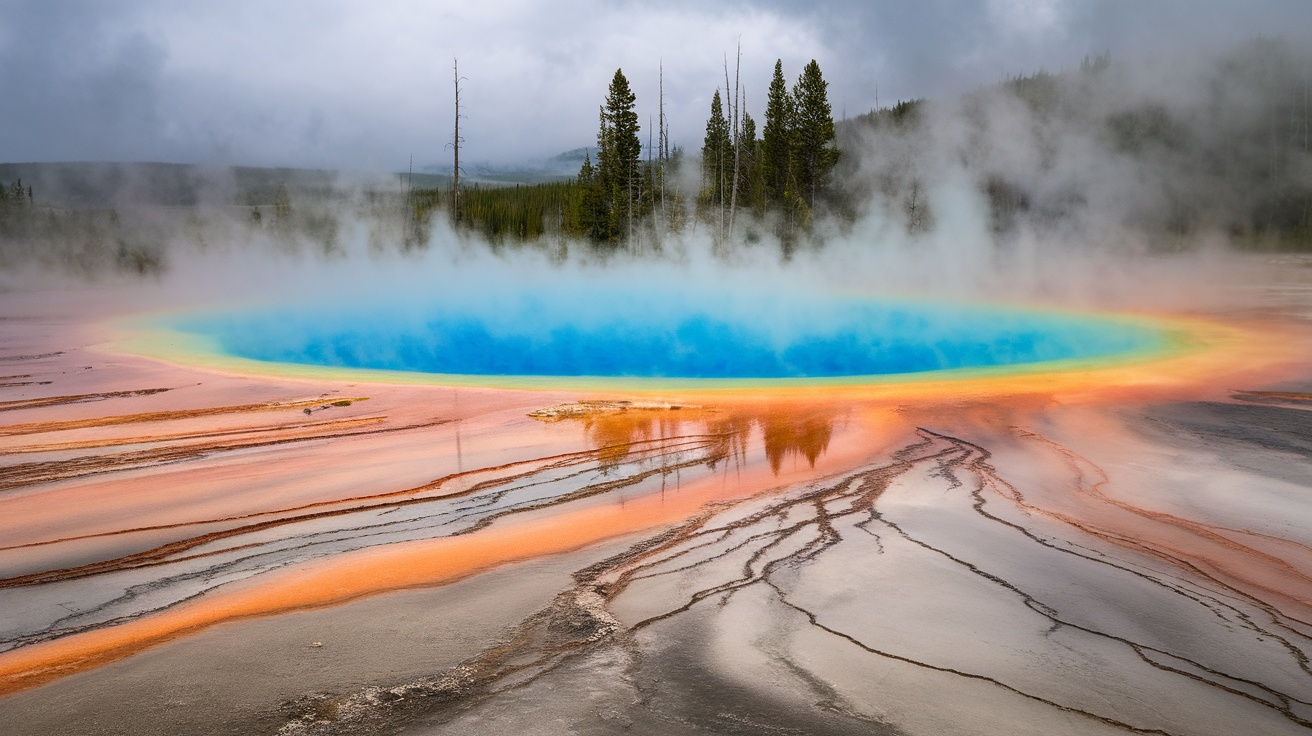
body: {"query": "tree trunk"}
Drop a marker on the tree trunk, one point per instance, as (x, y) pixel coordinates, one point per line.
(737, 134)
(455, 147)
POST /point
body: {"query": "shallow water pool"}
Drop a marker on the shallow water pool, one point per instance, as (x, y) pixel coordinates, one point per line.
(627, 332)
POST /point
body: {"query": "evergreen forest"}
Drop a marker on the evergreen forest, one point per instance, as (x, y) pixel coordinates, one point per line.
(1048, 156)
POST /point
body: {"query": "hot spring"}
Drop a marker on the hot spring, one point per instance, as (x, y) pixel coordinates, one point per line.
(637, 334)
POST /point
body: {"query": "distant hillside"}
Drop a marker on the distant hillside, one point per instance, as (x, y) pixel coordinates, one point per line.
(1221, 149)
(558, 168)
(93, 185)
(106, 184)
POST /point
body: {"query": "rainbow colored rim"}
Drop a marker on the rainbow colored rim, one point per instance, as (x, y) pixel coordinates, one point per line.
(153, 335)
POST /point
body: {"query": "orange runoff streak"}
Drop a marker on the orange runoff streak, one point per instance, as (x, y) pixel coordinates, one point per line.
(395, 567)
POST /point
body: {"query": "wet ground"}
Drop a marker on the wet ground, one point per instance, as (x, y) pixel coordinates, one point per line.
(186, 551)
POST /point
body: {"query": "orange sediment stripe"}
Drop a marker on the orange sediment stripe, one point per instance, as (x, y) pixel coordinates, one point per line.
(394, 567)
(416, 493)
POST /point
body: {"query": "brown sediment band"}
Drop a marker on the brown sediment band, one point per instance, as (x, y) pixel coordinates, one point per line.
(24, 475)
(40, 356)
(184, 436)
(159, 416)
(1279, 397)
(75, 399)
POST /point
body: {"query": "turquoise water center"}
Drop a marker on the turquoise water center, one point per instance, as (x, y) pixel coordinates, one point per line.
(635, 333)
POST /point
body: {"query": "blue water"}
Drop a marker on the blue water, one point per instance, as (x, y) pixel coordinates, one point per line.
(623, 333)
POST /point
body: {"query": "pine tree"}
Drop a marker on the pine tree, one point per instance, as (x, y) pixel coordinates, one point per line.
(814, 152)
(16, 193)
(776, 141)
(601, 223)
(618, 156)
(717, 155)
(750, 182)
(588, 199)
(282, 203)
(675, 207)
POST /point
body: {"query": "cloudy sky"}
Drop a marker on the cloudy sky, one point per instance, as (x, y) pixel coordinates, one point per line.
(366, 84)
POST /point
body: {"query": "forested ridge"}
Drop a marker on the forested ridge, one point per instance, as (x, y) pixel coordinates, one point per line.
(1107, 151)
(1047, 151)
(631, 190)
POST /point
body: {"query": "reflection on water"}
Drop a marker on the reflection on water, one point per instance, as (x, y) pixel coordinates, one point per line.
(729, 438)
(785, 435)
(784, 432)
(614, 434)
(91, 590)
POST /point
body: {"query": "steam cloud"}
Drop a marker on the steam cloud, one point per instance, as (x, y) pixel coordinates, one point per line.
(1124, 183)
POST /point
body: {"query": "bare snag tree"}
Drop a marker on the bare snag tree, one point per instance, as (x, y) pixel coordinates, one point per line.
(456, 140)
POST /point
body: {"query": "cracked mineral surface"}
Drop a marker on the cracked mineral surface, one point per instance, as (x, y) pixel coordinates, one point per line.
(1118, 551)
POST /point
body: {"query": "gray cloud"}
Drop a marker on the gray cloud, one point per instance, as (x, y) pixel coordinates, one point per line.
(356, 85)
(70, 90)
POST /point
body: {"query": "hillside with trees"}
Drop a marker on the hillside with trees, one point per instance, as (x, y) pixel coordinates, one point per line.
(776, 183)
(1218, 150)
(1102, 150)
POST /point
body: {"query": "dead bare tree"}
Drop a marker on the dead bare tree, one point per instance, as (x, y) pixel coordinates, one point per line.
(723, 154)
(456, 140)
(661, 145)
(649, 169)
(737, 132)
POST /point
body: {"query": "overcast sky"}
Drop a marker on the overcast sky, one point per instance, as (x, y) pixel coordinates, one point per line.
(363, 85)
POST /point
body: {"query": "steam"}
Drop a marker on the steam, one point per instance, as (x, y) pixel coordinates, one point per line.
(1125, 185)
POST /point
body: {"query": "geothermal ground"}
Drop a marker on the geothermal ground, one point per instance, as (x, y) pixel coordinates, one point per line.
(184, 550)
